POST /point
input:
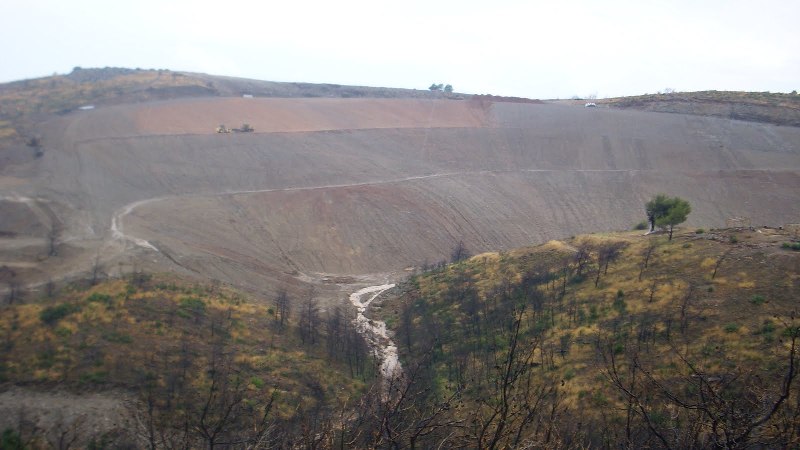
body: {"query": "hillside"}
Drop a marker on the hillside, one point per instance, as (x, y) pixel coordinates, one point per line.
(132, 361)
(338, 189)
(330, 188)
(610, 340)
(775, 108)
(24, 102)
(599, 340)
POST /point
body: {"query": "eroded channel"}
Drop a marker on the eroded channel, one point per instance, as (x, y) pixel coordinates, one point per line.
(375, 330)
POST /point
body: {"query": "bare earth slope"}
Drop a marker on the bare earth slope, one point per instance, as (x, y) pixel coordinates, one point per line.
(366, 186)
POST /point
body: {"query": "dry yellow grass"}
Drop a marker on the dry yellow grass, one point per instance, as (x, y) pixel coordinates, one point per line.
(733, 322)
(112, 331)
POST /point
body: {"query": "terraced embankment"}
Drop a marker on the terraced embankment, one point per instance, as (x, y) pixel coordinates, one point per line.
(327, 188)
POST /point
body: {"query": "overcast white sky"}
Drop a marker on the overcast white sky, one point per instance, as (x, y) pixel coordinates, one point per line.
(538, 49)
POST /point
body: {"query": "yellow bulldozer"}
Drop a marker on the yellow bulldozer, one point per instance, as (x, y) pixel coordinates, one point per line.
(245, 128)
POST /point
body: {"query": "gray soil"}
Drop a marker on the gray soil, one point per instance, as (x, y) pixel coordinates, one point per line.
(334, 191)
(62, 416)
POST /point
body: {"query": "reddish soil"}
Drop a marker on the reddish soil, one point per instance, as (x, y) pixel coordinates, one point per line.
(266, 115)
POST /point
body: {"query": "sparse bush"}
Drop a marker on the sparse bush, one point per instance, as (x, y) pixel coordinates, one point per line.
(193, 304)
(734, 239)
(99, 298)
(792, 331)
(619, 303)
(791, 246)
(731, 327)
(63, 332)
(96, 377)
(593, 314)
(699, 231)
(767, 328)
(11, 440)
(257, 382)
(118, 338)
(46, 358)
(581, 316)
(641, 225)
(577, 279)
(53, 314)
(687, 245)
(459, 253)
(757, 300)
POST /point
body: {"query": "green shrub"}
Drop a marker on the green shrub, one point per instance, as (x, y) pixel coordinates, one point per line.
(581, 316)
(63, 332)
(767, 328)
(699, 231)
(257, 382)
(599, 398)
(593, 315)
(11, 440)
(53, 314)
(46, 358)
(577, 279)
(791, 246)
(99, 298)
(105, 441)
(734, 239)
(619, 302)
(193, 304)
(643, 225)
(757, 300)
(117, 337)
(731, 328)
(791, 332)
(96, 377)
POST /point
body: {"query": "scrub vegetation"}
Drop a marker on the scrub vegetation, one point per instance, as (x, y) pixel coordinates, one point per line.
(200, 366)
(610, 340)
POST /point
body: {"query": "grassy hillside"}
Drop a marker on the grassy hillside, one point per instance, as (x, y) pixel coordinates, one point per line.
(64, 93)
(203, 358)
(776, 108)
(612, 340)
